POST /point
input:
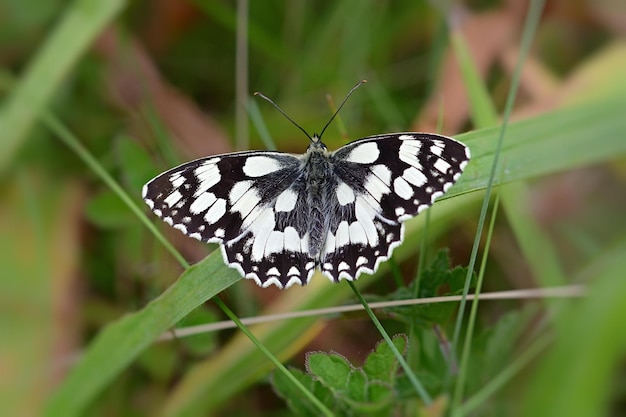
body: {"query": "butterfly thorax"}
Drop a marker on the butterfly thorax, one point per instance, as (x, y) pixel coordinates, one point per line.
(318, 172)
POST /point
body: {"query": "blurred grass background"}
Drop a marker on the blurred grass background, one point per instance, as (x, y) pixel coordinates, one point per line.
(145, 85)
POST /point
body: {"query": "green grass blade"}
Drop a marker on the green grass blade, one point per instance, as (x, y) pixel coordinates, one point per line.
(483, 111)
(536, 246)
(530, 28)
(417, 385)
(82, 22)
(577, 376)
(308, 394)
(121, 342)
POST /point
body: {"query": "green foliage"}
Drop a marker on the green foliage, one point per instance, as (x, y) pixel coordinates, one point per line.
(346, 389)
(438, 279)
(98, 96)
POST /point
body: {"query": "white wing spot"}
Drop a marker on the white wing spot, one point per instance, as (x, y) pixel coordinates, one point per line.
(343, 234)
(376, 187)
(357, 234)
(173, 198)
(345, 194)
(437, 150)
(216, 211)
(293, 271)
(292, 240)
(238, 190)
(219, 233)
(361, 260)
(275, 243)
(258, 166)
(208, 174)
(202, 202)
(382, 172)
(273, 271)
(343, 266)
(414, 176)
(177, 180)
(409, 151)
(286, 201)
(248, 202)
(261, 229)
(304, 243)
(441, 165)
(365, 216)
(181, 227)
(405, 137)
(402, 188)
(436, 195)
(366, 153)
(330, 243)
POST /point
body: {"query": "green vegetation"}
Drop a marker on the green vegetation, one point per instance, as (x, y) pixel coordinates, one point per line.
(97, 97)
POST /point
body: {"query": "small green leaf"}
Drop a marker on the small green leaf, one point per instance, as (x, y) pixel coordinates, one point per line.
(356, 388)
(380, 393)
(381, 364)
(332, 370)
(436, 280)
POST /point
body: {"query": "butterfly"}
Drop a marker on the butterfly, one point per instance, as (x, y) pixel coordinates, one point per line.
(279, 217)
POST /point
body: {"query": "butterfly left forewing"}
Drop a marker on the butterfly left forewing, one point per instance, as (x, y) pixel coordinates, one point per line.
(248, 203)
(382, 181)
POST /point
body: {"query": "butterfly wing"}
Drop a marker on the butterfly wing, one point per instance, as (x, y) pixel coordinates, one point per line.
(246, 202)
(382, 181)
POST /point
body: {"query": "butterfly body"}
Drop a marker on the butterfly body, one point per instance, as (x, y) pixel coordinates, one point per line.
(278, 217)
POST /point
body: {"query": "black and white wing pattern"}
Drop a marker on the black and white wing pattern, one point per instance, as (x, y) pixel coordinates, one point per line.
(278, 217)
(383, 181)
(244, 201)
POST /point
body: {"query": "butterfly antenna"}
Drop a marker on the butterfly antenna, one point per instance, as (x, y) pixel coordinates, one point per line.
(360, 83)
(284, 114)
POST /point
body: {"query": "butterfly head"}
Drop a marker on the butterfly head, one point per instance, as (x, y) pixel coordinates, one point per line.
(316, 140)
(316, 143)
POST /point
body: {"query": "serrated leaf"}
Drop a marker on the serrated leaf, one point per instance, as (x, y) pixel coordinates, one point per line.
(380, 393)
(332, 370)
(436, 280)
(381, 364)
(356, 388)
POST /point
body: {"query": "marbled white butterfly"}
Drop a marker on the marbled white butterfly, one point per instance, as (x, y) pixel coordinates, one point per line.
(278, 217)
